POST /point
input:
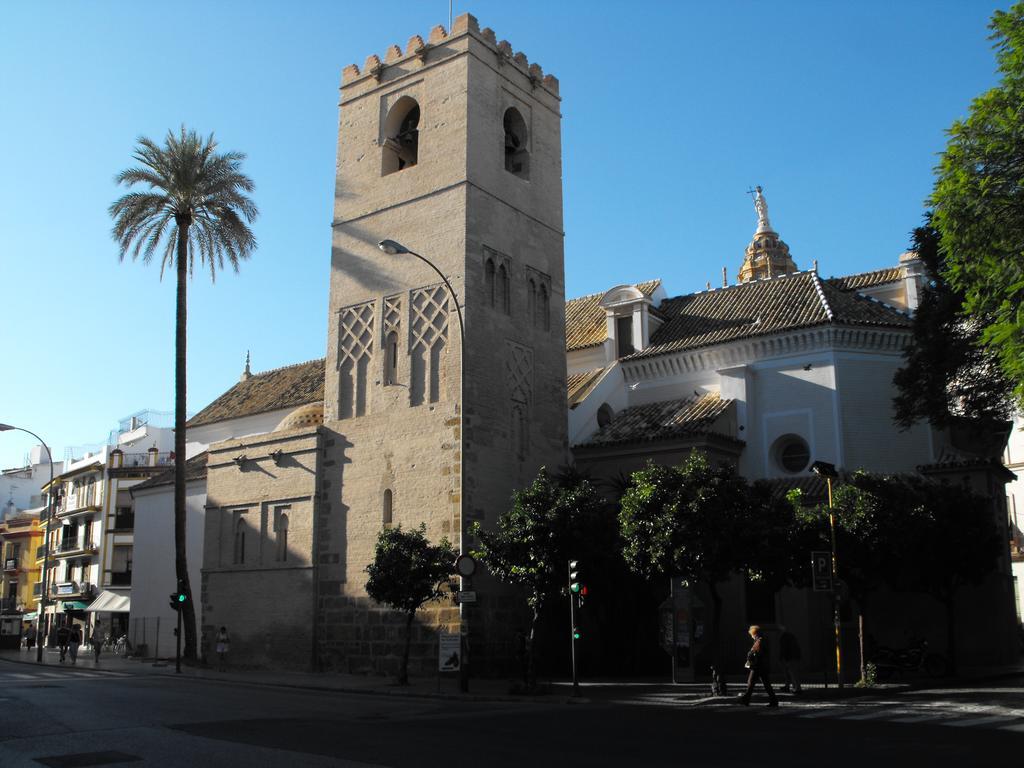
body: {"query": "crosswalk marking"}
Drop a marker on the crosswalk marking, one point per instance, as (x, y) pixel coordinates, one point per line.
(1019, 727)
(919, 718)
(980, 721)
(873, 715)
(820, 712)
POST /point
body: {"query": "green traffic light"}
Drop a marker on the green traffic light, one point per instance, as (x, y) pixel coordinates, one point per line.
(576, 634)
(181, 597)
(575, 587)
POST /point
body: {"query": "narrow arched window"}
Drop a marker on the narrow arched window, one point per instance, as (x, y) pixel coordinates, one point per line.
(605, 414)
(240, 541)
(544, 307)
(388, 511)
(282, 537)
(531, 301)
(489, 281)
(502, 290)
(391, 358)
(401, 136)
(517, 157)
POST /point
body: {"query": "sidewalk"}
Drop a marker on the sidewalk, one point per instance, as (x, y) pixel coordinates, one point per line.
(637, 691)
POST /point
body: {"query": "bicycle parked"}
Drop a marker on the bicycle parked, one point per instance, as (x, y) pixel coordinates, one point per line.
(914, 658)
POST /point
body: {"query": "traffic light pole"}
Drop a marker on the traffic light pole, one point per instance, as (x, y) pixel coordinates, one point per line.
(572, 631)
(177, 652)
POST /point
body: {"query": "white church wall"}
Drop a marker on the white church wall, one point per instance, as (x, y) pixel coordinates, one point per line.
(583, 360)
(583, 418)
(792, 396)
(202, 437)
(871, 440)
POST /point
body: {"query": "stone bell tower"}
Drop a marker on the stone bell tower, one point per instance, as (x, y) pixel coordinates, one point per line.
(452, 148)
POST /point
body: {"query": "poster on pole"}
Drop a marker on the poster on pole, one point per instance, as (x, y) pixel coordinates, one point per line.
(449, 652)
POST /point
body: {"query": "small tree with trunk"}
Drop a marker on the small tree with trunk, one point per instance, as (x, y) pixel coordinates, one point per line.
(406, 573)
(917, 536)
(548, 523)
(695, 521)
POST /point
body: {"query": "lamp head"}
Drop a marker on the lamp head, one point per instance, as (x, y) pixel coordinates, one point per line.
(6, 427)
(824, 469)
(392, 247)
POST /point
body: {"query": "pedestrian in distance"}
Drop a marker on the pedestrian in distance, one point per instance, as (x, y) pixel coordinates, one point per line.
(63, 638)
(789, 656)
(757, 663)
(74, 641)
(222, 648)
(97, 640)
(30, 637)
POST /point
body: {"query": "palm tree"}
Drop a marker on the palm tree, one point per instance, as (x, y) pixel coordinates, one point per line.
(195, 201)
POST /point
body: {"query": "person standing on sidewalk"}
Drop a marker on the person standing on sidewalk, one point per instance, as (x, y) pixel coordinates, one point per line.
(789, 655)
(97, 640)
(30, 637)
(222, 648)
(757, 663)
(74, 641)
(63, 638)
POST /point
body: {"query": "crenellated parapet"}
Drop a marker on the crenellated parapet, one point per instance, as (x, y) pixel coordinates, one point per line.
(416, 49)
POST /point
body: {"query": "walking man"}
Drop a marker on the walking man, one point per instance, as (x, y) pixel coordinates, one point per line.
(789, 655)
(757, 663)
(74, 641)
(63, 638)
(97, 640)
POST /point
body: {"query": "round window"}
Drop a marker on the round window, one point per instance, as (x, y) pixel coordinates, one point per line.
(792, 453)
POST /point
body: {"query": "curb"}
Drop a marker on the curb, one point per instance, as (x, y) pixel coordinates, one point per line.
(69, 667)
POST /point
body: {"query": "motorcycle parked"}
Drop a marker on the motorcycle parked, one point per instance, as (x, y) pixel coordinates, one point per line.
(914, 658)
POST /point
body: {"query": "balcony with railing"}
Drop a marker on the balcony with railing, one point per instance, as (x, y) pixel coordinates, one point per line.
(121, 579)
(37, 590)
(11, 565)
(77, 546)
(8, 604)
(67, 590)
(124, 521)
(40, 553)
(79, 504)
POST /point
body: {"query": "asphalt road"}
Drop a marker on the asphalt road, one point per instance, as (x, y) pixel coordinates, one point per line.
(65, 717)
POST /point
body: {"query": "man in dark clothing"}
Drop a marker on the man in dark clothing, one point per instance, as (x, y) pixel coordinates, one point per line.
(789, 655)
(63, 640)
(757, 663)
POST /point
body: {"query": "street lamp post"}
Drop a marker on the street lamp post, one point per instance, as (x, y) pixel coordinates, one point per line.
(393, 248)
(46, 541)
(828, 471)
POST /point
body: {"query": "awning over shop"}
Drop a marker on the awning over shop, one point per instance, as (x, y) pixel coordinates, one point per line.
(110, 602)
(74, 605)
(29, 616)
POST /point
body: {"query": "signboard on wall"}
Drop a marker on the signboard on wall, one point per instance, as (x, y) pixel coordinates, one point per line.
(449, 652)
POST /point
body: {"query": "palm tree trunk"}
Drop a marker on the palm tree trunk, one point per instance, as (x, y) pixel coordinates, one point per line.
(180, 558)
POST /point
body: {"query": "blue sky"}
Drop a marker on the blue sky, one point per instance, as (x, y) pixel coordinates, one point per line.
(671, 110)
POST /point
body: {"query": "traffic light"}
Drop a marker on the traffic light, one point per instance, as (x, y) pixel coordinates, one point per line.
(575, 585)
(577, 633)
(178, 600)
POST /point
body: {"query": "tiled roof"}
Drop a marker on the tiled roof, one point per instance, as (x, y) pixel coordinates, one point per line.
(761, 308)
(578, 385)
(585, 320)
(287, 387)
(195, 469)
(867, 279)
(660, 421)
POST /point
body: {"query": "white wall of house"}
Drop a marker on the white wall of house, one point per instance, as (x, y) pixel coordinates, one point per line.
(198, 439)
(21, 488)
(153, 575)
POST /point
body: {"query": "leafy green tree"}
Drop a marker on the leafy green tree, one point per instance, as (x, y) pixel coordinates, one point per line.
(193, 199)
(918, 536)
(406, 573)
(695, 521)
(549, 523)
(979, 203)
(947, 376)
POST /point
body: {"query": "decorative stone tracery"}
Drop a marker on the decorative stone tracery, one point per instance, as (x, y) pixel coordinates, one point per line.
(355, 348)
(428, 337)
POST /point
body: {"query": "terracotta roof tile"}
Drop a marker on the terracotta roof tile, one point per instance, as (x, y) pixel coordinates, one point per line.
(578, 385)
(761, 308)
(867, 279)
(660, 421)
(585, 320)
(287, 387)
